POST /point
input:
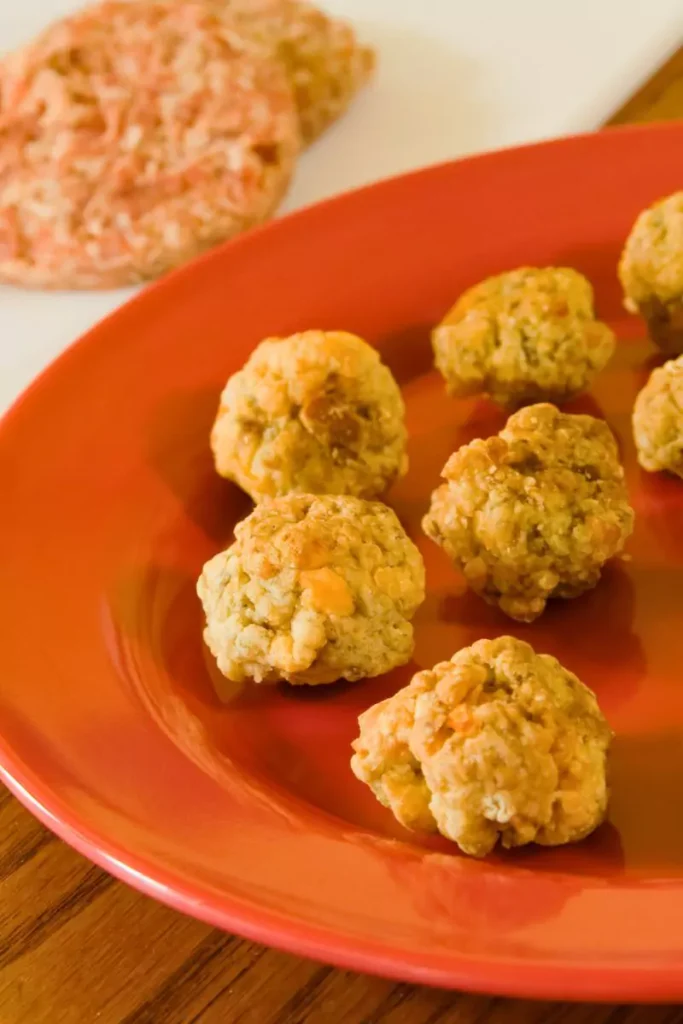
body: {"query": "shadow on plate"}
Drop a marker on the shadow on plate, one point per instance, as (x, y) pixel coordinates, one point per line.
(178, 449)
(591, 635)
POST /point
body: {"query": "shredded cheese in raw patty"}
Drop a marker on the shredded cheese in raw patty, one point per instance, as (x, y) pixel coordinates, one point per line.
(134, 135)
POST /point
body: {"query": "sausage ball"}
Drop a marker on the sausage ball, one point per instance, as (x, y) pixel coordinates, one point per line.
(534, 512)
(658, 419)
(497, 744)
(651, 271)
(525, 336)
(315, 413)
(314, 589)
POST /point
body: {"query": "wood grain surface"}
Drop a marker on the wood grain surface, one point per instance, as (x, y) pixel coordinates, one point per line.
(77, 947)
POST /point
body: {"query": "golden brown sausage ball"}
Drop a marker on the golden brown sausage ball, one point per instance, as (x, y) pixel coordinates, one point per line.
(651, 271)
(658, 419)
(315, 413)
(534, 512)
(528, 335)
(314, 589)
(499, 744)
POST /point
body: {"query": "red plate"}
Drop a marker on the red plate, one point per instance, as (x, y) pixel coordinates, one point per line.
(243, 811)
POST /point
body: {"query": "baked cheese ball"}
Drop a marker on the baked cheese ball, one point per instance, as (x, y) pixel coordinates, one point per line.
(316, 413)
(651, 271)
(326, 64)
(314, 589)
(134, 136)
(658, 420)
(534, 512)
(528, 335)
(499, 744)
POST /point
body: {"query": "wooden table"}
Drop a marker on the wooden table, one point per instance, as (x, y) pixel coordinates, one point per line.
(77, 947)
